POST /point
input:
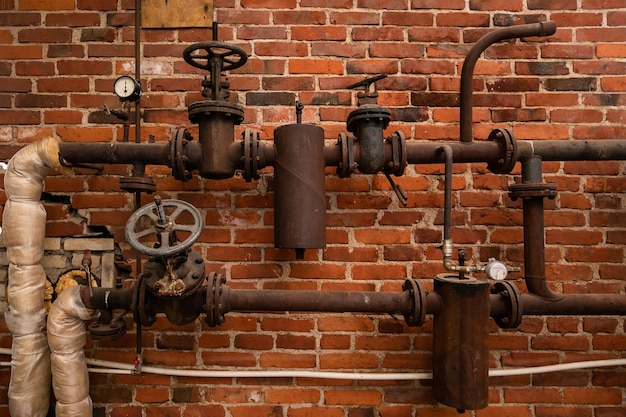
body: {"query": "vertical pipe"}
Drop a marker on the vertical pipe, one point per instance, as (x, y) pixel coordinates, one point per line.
(534, 241)
(138, 68)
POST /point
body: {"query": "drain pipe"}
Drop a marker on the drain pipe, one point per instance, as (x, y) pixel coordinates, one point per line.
(533, 190)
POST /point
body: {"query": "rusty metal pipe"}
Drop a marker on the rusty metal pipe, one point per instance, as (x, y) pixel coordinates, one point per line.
(320, 301)
(573, 150)
(325, 301)
(534, 240)
(115, 152)
(467, 73)
(576, 305)
(568, 305)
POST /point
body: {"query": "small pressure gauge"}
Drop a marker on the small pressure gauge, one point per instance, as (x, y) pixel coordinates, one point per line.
(496, 270)
(127, 88)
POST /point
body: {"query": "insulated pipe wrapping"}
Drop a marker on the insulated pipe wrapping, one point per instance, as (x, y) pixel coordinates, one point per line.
(24, 221)
(66, 338)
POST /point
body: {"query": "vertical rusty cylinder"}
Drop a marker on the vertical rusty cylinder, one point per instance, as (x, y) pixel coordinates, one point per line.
(299, 195)
(460, 349)
(217, 120)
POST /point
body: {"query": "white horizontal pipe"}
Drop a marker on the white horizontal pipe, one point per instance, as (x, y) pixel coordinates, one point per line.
(102, 366)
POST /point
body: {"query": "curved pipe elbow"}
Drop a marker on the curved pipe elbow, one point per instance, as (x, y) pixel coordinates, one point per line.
(467, 73)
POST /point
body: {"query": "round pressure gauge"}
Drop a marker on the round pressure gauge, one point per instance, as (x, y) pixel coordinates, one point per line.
(127, 88)
(496, 270)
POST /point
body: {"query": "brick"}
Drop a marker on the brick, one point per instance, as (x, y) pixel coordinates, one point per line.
(287, 360)
(604, 396)
(345, 324)
(348, 361)
(566, 343)
(21, 52)
(523, 395)
(51, 35)
(347, 397)
(20, 19)
(555, 411)
(200, 410)
(43, 5)
(73, 19)
(152, 395)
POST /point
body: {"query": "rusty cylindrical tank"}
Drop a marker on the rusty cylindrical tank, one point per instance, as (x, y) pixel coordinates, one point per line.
(460, 349)
(299, 195)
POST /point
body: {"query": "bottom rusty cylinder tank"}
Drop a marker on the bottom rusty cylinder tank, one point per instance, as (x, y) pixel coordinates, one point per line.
(460, 342)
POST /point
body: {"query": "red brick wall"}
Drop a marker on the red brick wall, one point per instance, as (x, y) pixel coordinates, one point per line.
(58, 60)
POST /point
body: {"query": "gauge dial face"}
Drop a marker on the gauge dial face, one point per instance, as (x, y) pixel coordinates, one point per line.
(127, 88)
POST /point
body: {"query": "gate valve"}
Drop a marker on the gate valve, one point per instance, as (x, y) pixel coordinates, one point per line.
(368, 122)
(161, 219)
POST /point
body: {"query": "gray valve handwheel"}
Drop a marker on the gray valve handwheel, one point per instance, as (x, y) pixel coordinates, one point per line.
(151, 220)
(201, 55)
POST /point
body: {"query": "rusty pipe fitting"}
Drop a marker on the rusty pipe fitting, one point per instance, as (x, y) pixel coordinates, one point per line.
(467, 73)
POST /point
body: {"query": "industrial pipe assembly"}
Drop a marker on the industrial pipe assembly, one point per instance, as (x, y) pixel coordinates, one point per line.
(174, 281)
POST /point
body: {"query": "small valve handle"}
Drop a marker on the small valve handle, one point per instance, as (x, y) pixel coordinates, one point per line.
(402, 197)
(370, 95)
(367, 82)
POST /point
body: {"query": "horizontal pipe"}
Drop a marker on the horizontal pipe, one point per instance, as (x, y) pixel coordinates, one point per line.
(115, 152)
(368, 302)
(575, 305)
(573, 150)
(318, 301)
(568, 305)
(417, 153)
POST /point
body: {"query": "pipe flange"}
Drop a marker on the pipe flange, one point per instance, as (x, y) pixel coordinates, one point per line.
(513, 300)
(142, 307)
(213, 307)
(508, 151)
(399, 157)
(417, 316)
(347, 165)
(532, 189)
(138, 184)
(178, 156)
(112, 330)
(368, 112)
(250, 157)
(204, 109)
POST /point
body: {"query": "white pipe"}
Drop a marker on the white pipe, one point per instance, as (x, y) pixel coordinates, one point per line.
(397, 376)
(102, 366)
(24, 224)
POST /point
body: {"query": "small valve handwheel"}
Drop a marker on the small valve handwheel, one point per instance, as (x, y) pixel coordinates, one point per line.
(161, 219)
(203, 55)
